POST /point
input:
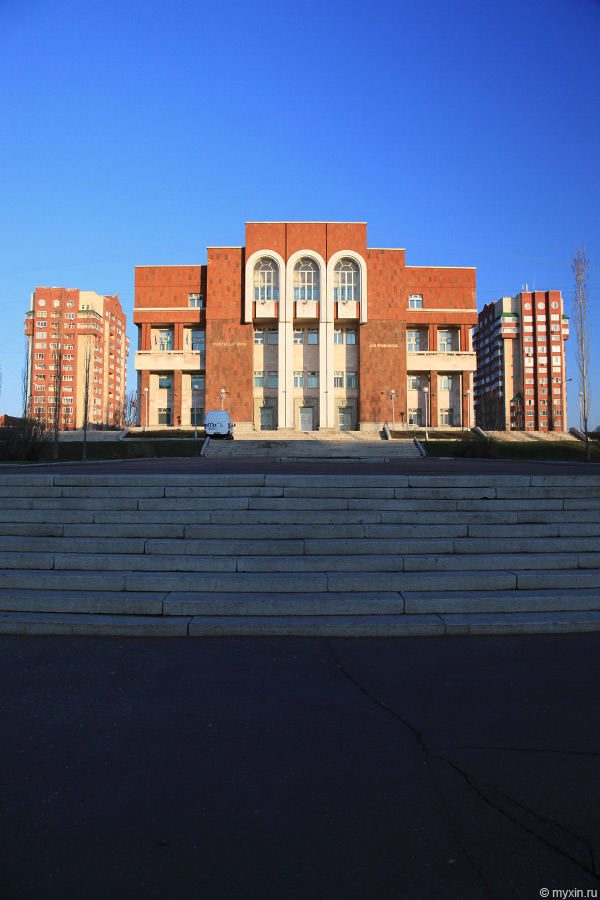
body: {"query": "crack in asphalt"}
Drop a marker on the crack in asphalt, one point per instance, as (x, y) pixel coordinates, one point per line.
(479, 791)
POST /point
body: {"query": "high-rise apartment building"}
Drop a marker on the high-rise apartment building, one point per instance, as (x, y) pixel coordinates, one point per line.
(65, 327)
(306, 328)
(520, 378)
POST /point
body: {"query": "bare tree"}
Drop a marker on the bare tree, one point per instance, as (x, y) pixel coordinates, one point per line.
(25, 387)
(579, 311)
(87, 367)
(130, 407)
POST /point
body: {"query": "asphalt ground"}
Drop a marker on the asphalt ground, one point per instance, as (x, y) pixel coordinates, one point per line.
(333, 769)
(201, 466)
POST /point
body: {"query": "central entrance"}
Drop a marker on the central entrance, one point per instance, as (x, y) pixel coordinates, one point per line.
(306, 418)
(266, 419)
(345, 419)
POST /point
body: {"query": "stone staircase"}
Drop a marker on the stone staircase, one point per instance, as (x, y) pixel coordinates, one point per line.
(337, 446)
(305, 555)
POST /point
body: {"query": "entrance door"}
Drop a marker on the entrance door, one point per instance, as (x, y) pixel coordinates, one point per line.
(266, 418)
(345, 419)
(306, 418)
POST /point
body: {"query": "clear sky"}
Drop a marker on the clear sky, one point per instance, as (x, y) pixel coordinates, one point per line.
(137, 133)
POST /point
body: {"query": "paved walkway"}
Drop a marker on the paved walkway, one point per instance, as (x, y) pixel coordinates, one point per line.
(234, 769)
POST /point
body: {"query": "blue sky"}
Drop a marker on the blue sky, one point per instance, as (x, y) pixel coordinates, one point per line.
(136, 133)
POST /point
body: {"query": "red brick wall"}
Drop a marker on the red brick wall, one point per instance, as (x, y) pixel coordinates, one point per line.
(229, 342)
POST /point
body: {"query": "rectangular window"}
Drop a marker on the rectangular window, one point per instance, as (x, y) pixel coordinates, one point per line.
(197, 415)
(298, 337)
(259, 337)
(351, 380)
(40, 356)
(338, 379)
(414, 416)
(299, 379)
(164, 381)
(195, 301)
(42, 335)
(40, 346)
(351, 336)
(414, 382)
(163, 340)
(338, 336)
(273, 379)
(413, 341)
(446, 416)
(197, 381)
(445, 341)
(273, 336)
(198, 341)
(313, 336)
(415, 301)
(445, 382)
(164, 416)
(259, 379)
(313, 379)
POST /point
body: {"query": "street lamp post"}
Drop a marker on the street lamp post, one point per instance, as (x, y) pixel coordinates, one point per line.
(195, 389)
(393, 395)
(146, 419)
(426, 392)
(468, 393)
(223, 392)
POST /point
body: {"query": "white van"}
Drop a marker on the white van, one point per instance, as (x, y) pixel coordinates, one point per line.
(218, 424)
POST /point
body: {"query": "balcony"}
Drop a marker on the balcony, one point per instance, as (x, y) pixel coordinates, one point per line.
(435, 361)
(169, 361)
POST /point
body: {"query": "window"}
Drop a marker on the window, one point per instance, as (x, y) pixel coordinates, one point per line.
(313, 336)
(298, 337)
(273, 379)
(299, 379)
(313, 379)
(414, 416)
(351, 336)
(196, 415)
(338, 379)
(530, 392)
(197, 381)
(338, 336)
(164, 416)
(351, 380)
(266, 281)
(196, 301)
(259, 337)
(445, 341)
(413, 341)
(163, 340)
(273, 336)
(415, 301)
(446, 416)
(40, 356)
(414, 382)
(198, 341)
(445, 382)
(556, 360)
(306, 281)
(164, 381)
(345, 282)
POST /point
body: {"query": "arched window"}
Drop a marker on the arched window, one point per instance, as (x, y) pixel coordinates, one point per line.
(266, 280)
(346, 282)
(306, 281)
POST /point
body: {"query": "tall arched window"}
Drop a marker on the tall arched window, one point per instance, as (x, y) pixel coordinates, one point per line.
(346, 282)
(306, 280)
(266, 280)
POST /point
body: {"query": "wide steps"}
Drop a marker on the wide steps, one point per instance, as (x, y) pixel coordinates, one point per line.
(285, 554)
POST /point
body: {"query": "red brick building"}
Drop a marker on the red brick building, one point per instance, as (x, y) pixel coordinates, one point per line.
(62, 324)
(305, 327)
(520, 383)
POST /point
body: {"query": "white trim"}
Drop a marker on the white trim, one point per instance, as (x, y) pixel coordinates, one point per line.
(362, 268)
(442, 267)
(307, 222)
(250, 262)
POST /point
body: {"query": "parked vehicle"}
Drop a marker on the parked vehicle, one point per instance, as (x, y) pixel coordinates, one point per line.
(219, 424)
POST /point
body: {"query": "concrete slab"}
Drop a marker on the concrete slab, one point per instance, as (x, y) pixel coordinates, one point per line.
(138, 530)
(162, 479)
(89, 503)
(452, 518)
(154, 516)
(338, 481)
(323, 626)
(137, 492)
(11, 490)
(225, 548)
(68, 623)
(574, 578)
(424, 581)
(532, 503)
(26, 478)
(569, 529)
(30, 529)
(446, 493)
(531, 545)
(111, 602)
(46, 515)
(565, 515)
(61, 545)
(224, 583)
(522, 623)
(299, 503)
(548, 529)
(545, 492)
(461, 481)
(500, 601)
(146, 563)
(592, 481)
(415, 531)
(176, 504)
(506, 561)
(283, 604)
(589, 560)
(272, 532)
(26, 560)
(294, 517)
(336, 563)
(42, 579)
(224, 491)
(421, 505)
(374, 546)
(353, 492)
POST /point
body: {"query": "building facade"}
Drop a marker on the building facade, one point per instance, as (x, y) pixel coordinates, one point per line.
(66, 327)
(305, 328)
(520, 378)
